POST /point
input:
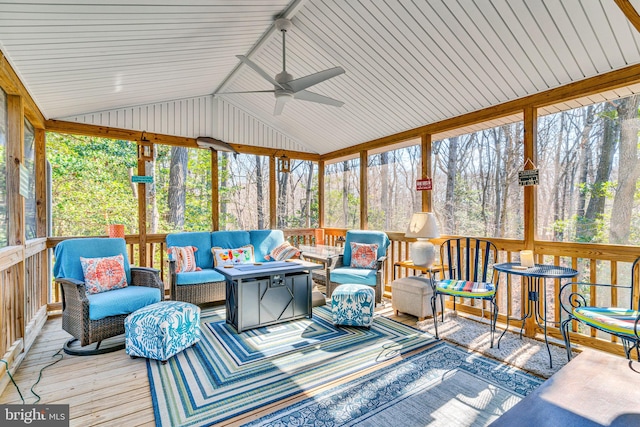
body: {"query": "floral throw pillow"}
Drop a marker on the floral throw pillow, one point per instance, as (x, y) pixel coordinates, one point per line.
(185, 257)
(282, 252)
(241, 255)
(364, 255)
(103, 274)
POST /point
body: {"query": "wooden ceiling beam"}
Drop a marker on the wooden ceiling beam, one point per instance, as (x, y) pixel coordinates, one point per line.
(630, 12)
(75, 128)
(12, 85)
(608, 81)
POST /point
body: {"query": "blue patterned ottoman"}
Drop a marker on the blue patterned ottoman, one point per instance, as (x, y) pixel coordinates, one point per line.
(352, 305)
(161, 330)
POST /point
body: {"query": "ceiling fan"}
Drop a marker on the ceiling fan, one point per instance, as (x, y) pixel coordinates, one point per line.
(285, 87)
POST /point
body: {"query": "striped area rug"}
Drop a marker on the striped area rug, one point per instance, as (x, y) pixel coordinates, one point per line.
(228, 374)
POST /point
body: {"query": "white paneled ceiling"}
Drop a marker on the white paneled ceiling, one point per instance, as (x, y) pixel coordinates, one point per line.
(408, 62)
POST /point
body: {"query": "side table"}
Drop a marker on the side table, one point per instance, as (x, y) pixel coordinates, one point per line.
(409, 264)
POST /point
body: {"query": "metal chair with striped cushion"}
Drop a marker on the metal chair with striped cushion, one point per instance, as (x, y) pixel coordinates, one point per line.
(468, 273)
(622, 322)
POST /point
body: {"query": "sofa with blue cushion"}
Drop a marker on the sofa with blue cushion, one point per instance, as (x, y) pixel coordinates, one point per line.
(208, 285)
(92, 318)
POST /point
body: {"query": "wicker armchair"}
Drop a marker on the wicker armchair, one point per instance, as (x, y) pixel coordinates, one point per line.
(343, 273)
(77, 304)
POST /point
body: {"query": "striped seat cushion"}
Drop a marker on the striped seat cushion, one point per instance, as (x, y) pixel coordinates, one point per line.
(467, 289)
(613, 319)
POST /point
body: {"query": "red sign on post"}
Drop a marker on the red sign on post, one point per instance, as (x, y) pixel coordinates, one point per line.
(423, 184)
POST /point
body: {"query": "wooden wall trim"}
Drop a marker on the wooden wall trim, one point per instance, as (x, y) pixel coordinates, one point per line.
(630, 12)
(12, 85)
(273, 201)
(425, 151)
(608, 81)
(75, 128)
(15, 158)
(530, 192)
(41, 183)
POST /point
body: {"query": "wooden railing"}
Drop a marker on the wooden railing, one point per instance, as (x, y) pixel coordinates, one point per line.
(26, 291)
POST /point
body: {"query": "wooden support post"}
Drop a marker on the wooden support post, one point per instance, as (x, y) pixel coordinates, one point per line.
(16, 213)
(41, 183)
(425, 145)
(273, 173)
(364, 189)
(321, 194)
(142, 212)
(530, 152)
(215, 192)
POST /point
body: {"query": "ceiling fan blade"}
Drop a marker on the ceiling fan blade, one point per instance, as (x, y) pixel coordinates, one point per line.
(279, 105)
(248, 91)
(313, 79)
(258, 70)
(305, 95)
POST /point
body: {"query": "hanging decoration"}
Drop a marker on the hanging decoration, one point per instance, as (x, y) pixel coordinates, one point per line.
(284, 164)
(527, 177)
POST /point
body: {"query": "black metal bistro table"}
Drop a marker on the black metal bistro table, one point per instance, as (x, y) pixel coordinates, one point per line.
(535, 278)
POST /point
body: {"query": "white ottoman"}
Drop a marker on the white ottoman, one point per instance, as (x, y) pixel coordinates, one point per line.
(412, 295)
(161, 330)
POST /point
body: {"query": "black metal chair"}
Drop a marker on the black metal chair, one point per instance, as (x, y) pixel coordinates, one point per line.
(622, 322)
(468, 273)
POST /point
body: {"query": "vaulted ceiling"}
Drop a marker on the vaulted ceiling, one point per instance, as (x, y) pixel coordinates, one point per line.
(165, 65)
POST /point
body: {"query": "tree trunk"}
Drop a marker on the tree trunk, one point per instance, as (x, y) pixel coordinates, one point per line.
(449, 206)
(177, 187)
(596, 205)
(223, 165)
(384, 190)
(306, 207)
(628, 171)
(259, 193)
(345, 192)
(283, 189)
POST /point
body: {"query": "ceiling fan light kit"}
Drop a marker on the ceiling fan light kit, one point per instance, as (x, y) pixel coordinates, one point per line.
(285, 87)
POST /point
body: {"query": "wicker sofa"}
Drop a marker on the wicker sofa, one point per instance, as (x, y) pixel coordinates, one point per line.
(208, 285)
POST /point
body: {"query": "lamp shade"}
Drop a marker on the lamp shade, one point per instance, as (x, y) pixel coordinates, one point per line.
(423, 225)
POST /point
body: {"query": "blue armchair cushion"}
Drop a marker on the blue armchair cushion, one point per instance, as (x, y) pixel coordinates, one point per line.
(229, 239)
(365, 236)
(121, 301)
(360, 276)
(264, 241)
(199, 239)
(68, 253)
(206, 275)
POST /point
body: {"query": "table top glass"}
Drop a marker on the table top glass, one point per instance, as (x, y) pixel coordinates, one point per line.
(322, 250)
(540, 270)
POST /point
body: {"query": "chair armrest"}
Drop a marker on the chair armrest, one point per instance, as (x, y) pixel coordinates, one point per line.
(339, 262)
(145, 276)
(576, 299)
(380, 262)
(73, 293)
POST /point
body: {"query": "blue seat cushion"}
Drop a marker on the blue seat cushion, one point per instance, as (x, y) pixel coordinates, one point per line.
(264, 241)
(206, 275)
(361, 276)
(199, 239)
(230, 239)
(121, 301)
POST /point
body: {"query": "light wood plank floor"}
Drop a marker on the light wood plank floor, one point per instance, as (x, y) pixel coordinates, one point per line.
(105, 390)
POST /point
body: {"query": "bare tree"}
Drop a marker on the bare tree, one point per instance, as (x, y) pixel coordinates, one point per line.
(177, 187)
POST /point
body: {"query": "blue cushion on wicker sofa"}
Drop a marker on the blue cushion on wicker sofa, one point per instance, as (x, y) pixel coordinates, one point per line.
(229, 239)
(199, 239)
(206, 275)
(264, 241)
(121, 301)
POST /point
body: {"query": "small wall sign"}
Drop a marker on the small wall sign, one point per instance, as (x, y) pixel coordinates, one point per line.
(529, 177)
(142, 179)
(424, 184)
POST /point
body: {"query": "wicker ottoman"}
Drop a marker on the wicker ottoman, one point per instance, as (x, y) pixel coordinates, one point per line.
(352, 305)
(412, 295)
(161, 330)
